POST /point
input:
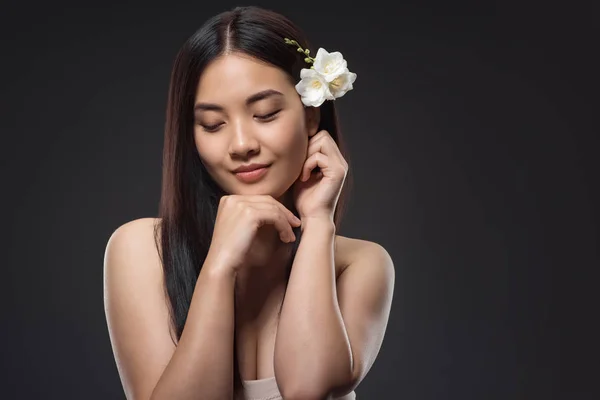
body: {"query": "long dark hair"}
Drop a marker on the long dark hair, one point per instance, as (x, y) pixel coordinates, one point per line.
(189, 196)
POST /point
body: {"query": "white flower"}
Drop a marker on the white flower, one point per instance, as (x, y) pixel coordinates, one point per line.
(330, 65)
(313, 88)
(327, 79)
(343, 83)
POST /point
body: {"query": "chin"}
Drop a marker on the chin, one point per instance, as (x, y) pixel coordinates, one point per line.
(265, 187)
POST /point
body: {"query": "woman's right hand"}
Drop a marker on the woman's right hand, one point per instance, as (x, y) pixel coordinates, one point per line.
(238, 220)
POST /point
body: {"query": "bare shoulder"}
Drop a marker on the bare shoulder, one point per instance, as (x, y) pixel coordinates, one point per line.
(132, 255)
(365, 292)
(132, 251)
(136, 232)
(349, 250)
(138, 237)
(136, 307)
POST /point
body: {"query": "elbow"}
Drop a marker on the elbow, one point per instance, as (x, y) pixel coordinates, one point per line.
(347, 386)
(305, 393)
(313, 389)
(313, 393)
(321, 381)
(304, 387)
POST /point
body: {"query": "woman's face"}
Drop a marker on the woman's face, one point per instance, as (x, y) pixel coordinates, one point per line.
(247, 111)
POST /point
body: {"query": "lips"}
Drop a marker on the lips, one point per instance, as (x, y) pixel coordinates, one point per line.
(250, 167)
(252, 175)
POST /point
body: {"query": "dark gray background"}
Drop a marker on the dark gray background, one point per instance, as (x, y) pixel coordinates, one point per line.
(472, 148)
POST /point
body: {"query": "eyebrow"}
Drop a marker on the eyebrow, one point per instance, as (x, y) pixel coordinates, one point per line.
(252, 99)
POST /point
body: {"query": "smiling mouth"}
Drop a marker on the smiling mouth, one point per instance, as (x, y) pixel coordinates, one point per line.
(251, 176)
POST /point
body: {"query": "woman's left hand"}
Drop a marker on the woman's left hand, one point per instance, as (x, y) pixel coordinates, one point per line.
(316, 195)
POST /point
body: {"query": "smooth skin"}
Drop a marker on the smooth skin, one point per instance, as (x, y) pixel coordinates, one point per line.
(339, 295)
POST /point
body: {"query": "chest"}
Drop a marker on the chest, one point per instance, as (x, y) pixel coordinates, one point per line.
(255, 334)
(256, 331)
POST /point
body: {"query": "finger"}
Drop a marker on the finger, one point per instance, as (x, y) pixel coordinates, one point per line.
(326, 145)
(315, 147)
(276, 206)
(320, 134)
(258, 198)
(269, 214)
(316, 160)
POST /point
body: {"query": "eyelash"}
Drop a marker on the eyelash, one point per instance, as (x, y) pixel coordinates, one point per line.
(265, 118)
(268, 116)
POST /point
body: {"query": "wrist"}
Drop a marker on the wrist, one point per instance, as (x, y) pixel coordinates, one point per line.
(218, 268)
(318, 222)
(221, 274)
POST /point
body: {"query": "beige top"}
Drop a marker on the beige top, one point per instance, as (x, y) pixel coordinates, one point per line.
(266, 389)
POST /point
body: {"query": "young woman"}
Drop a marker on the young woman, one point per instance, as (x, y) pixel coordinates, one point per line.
(241, 288)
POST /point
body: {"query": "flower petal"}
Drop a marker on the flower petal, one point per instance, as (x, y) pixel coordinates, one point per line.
(342, 84)
(330, 65)
(313, 89)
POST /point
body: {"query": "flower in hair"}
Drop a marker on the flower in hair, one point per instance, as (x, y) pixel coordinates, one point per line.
(313, 88)
(327, 79)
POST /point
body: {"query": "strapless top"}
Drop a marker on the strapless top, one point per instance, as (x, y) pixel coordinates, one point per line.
(266, 389)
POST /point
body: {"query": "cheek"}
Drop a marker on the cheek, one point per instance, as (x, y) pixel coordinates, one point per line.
(208, 153)
(292, 147)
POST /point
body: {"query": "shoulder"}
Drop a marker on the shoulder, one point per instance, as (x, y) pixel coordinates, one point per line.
(136, 306)
(349, 251)
(138, 234)
(132, 230)
(131, 259)
(133, 246)
(140, 225)
(366, 285)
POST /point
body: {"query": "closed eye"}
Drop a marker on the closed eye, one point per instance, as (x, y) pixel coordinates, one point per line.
(211, 128)
(269, 116)
(265, 118)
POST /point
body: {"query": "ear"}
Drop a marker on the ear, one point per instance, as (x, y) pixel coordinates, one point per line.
(313, 118)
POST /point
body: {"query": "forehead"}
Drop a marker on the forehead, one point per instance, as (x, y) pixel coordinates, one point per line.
(235, 76)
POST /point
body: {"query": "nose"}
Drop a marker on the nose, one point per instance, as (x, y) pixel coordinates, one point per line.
(243, 142)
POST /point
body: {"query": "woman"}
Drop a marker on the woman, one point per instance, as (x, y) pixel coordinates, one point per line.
(242, 289)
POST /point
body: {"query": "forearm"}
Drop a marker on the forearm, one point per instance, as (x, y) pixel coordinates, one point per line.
(312, 346)
(202, 365)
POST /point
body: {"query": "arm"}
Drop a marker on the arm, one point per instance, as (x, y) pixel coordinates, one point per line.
(312, 350)
(202, 365)
(330, 333)
(149, 364)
